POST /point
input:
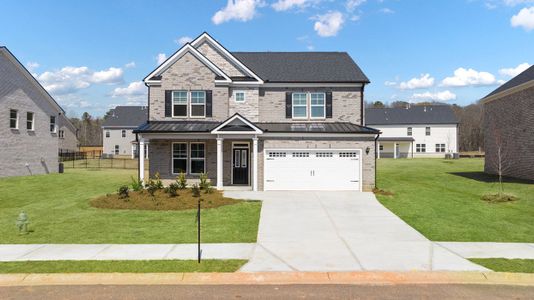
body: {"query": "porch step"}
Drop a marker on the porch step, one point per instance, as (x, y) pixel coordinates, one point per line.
(237, 188)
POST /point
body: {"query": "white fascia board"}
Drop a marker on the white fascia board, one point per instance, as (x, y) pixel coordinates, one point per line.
(318, 134)
(311, 84)
(237, 116)
(229, 55)
(187, 48)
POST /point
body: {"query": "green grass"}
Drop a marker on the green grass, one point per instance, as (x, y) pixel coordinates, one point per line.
(59, 212)
(506, 265)
(441, 199)
(121, 266)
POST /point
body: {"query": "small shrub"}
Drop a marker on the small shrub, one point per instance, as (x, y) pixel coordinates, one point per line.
(203, 181)
(151, 189)
(195, 190)
(157, 181)
(123, 192)
(208, 189)
(137, 184)
(499, 198)
(181, 181)
(172, 190)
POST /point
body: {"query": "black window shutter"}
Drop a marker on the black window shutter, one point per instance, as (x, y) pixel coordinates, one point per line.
(168, 103)
(289, 105)
(328, 107)
(209, 103)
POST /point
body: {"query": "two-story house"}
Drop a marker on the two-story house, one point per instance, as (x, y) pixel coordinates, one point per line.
(118, 138)
(260, 120)
(415, 131)
(68, 135)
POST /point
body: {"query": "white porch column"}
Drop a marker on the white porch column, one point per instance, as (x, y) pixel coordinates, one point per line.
(378, 150)
(133, 151)
(220, 163)
(410, 150)
(141, 159)
(395, 150)
(255, 164)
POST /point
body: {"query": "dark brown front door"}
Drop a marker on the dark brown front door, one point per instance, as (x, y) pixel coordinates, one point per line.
(240, 162)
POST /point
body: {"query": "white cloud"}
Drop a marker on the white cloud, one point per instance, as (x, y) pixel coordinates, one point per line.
(525, 19)
(111, 75)
(183, 40)
(130, 65)
(469, 77)
(161, 58)
(424, 81)
(390, 83)
(240, 10)
(134, 90)
(351, 5)
(513, 72)
(517, 2)
(31, 65)
(283, 5)
(438, 96)
(387, 11)
(329, 24)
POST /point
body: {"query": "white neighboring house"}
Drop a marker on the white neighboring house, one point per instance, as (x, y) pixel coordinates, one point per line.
(417, 131)
(117, 135)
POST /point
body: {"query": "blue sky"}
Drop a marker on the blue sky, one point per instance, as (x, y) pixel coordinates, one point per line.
(91, 55)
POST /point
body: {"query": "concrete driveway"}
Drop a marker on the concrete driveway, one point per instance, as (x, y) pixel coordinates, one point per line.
(340, 231)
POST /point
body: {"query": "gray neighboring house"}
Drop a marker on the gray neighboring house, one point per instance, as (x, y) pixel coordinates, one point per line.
(68, 135)
(29, 130)
(117, 130)
(509, 127)
(259, 120)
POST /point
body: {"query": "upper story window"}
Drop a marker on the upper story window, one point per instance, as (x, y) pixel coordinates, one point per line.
(239, 96)
(61, 134)
(198, 104)
(427, 131)
(300, 105)
(409, 132)
(317, 105)
(53, 124)
(107, 133)
(13, 119)
(29, 121)
(179, 103)
(123, 133)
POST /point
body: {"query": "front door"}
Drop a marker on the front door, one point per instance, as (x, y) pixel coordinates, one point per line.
(240, 162)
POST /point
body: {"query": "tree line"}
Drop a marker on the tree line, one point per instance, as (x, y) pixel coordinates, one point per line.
(89, 128)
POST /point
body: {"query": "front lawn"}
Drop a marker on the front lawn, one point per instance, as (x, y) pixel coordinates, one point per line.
(506, 265)
(59, 211)
(442, 200)
(121, 266)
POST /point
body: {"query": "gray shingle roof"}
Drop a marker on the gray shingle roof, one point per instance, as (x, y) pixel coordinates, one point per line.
(524, 77)
(430, 114)
(127, 116)
(303, 66)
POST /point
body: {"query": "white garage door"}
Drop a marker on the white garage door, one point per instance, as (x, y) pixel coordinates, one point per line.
(312, 169)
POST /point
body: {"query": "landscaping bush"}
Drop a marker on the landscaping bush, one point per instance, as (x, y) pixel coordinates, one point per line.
(195, 190)
(181, 181)
(157, 181)
(137, 185)
(172, 190)
(499, 198)
(203, 180)
(123, 191)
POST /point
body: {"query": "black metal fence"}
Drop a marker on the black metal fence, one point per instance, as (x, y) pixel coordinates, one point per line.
(95, 159)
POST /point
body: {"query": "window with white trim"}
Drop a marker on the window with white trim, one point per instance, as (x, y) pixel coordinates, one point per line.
(179, 103)
(300, 105)
(30, 118)
(123, 133)
(239, 96)
(317, 105)
(117, 149)
(179, 158)
(53, 126)
(107, 133)
(427, 131)
(420, 148)
(198, 104)
(198, 158)
(13, 119)
(409, 131)
(440, 147)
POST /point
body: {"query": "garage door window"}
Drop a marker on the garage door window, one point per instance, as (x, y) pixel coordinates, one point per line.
(301, 154)
(324, 154)
(348, 154)
(277, 154)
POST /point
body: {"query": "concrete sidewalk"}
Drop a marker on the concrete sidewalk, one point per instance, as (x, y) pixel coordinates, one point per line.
(34, 252)
(490, 250)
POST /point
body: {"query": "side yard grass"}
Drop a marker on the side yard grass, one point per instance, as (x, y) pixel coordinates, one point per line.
(59, 212)
(442, 200)
(506, 265)
(121, 266)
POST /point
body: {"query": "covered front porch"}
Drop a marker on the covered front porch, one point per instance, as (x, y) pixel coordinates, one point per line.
(395, 147)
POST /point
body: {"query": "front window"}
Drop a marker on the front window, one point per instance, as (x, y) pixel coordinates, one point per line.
(53, 124)
(13, 119)
(179, 104)
(198, 104)
(117, 150)
(440, 147)
(317, 105)
(427, 130)
(179, 158)
(300, 109)
(409, 133)
(123, 133)
(239, 96)
(107, 133)
(420, 148)
(61, 134)
(198, 154)
(29, 121)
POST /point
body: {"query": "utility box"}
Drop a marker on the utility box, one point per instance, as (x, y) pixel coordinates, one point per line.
(61, 168)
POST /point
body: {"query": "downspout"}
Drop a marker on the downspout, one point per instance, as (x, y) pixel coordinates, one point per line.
(376, 158)
(362, 106)
(138, 157)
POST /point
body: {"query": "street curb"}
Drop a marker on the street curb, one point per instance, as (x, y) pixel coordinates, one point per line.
(269, 278)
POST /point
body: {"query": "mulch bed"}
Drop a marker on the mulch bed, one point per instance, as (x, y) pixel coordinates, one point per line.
(162, 201)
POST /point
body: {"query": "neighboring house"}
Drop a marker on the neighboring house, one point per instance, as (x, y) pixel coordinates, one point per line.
(29, 127)
(509, 127)
(260, 120)
(68, 135)
(416, 131)
(117, 135)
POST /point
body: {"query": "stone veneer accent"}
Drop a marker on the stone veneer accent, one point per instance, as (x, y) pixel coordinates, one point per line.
(248, 109)
(509, 121)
